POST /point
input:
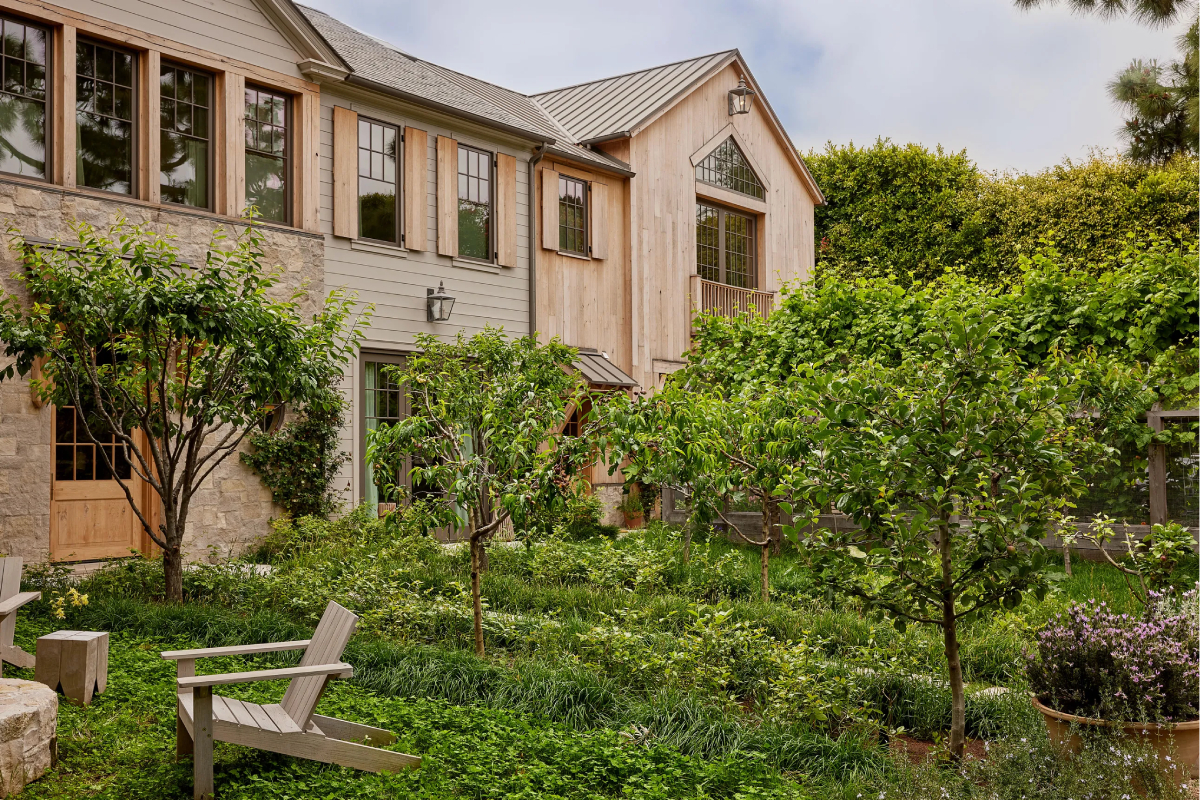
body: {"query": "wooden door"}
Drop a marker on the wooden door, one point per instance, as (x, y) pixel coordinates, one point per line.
(90, 516)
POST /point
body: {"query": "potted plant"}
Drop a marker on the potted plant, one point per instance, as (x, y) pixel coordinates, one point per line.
(1132, 674)
(631, 509)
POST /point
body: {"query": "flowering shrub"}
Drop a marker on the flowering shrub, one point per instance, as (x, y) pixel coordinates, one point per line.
(1095, 663)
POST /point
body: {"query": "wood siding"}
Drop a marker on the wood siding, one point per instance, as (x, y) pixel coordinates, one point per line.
(345, 172)
(663, 208)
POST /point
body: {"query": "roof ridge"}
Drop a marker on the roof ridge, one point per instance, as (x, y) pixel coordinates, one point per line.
(536, 95)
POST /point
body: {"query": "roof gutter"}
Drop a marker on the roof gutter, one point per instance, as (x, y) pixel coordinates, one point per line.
(425, 102)
(608, 137)
(533, 248)
(610, 164)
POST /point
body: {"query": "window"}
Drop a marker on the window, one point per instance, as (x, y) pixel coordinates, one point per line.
(75, 457)
(725, 246)
(104, 113)
(23, 100)
(474, 203)
(267, 149)
(727, 167)
(185, 136)
(383, 405)
(572, 208)
(378, 213)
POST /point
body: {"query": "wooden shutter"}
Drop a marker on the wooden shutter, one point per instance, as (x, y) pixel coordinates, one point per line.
(506, 210)
(598, 197)
(549, 209)
(447, 196)
(416, 175)
(345, 172)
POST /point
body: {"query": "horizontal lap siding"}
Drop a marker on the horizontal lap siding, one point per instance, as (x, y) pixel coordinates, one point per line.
(235, 29)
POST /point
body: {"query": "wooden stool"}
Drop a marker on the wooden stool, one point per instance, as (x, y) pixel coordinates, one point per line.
(76, 661)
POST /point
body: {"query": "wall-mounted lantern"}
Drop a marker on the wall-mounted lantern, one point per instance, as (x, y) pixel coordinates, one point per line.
(741, 98)
(438, 304)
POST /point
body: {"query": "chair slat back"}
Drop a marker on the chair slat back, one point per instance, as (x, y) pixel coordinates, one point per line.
(326, 647)
(10, 584)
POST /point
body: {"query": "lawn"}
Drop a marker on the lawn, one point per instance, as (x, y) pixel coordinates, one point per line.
(613, 670)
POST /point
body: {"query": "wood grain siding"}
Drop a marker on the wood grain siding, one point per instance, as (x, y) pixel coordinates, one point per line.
(345, 172)
(506, 210)
(416, 179)
(62, 93)
(231, 156)
(598, 210)
(306, 160)
(447, 196)
(585, 301)
(663, 207)
(149, 105)
(549, 209)
(235, 29)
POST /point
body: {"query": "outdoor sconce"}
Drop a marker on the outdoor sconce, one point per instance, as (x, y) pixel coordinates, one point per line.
(438, 304)
(741, 98)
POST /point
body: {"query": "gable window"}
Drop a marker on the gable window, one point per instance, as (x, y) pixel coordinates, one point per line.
(104, 114)
(267, 153)
(572, 215)
(474, 203)
(23, 100)
(378, 212)
(725, 246)
(728, 168)
(185, 136)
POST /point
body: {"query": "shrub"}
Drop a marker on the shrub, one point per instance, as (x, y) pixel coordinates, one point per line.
(1095, 663)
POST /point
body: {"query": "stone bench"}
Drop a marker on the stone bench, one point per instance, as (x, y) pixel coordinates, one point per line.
(28, 733)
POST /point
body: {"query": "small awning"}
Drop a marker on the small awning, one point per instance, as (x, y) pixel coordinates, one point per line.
(599, 371)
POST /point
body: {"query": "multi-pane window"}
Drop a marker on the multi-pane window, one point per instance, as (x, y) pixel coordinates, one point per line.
(572, 207)
(104, 114)
(727, 167)
(267, 153)
(76, 457)
(474, 203)
(185, 135)
(382, 406)
(725, 246)
(378, 213)
(23, 100)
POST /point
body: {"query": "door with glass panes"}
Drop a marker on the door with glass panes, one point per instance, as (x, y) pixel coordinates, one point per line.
(90, 515)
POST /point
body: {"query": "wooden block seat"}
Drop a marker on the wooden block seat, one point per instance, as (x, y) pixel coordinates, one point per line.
(75, 662)
(289, 727)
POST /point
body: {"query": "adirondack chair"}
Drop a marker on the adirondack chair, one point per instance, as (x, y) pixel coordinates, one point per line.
(12, 598)
(290, 726)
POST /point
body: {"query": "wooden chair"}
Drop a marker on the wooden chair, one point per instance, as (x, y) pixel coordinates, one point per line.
(12, 598)
(290, 726)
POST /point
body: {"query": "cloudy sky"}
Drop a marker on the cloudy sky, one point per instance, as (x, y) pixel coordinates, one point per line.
(1017, 89)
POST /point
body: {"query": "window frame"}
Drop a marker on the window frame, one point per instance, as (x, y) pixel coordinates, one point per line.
(391, 358)
(136, 132)
(50, 101)
(712, 155)
(585, 230)
(491, 160)
(399, 181)
(289, 189)
(723, 212)
(212, 135)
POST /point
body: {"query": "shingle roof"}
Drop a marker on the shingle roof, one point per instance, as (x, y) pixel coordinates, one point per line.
(615, 106)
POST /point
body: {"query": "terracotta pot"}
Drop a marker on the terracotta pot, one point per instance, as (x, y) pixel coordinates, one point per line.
(633, 521)
(1182, 737)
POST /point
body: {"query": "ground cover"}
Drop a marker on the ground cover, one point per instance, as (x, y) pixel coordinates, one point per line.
(614, 670)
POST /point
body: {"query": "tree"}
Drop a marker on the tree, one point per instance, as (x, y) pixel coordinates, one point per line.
(175, 363)
(1150, 12)
(950, 464)
(483, 412)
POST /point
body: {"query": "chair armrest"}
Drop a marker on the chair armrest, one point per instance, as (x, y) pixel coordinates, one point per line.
(16, 601)
(334, 670)
(235, 650)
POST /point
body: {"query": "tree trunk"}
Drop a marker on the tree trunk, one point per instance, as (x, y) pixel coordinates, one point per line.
(688, 527)
(766, 549)
(476, 602)
(173, 573)
(1067, 557)
(776, 528)
(958, 715)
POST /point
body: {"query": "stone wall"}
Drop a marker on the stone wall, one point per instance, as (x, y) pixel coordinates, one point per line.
(232, 509)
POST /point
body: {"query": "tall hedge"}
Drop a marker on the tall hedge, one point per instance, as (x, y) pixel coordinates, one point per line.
(912, 213)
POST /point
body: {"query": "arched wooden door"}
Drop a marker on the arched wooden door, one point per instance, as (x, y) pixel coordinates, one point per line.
(90, 516)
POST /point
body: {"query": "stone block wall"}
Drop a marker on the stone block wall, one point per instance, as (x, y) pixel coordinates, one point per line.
(232, 509)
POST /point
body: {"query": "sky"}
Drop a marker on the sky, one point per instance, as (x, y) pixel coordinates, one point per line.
(1018, 90)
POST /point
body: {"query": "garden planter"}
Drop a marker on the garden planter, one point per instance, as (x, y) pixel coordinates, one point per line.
(633, 521)
(1183, 737)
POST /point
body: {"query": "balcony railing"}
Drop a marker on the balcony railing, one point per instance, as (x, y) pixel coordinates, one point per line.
(729, 301)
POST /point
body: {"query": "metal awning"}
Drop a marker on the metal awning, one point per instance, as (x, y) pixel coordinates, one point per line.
(599, 371)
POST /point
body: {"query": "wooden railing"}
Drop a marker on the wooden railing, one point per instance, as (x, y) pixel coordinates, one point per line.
(729, 301)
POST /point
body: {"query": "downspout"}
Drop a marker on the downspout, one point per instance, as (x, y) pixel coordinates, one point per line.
(534, 213)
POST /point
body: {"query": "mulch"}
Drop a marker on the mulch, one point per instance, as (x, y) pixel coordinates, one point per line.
(919, 752)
